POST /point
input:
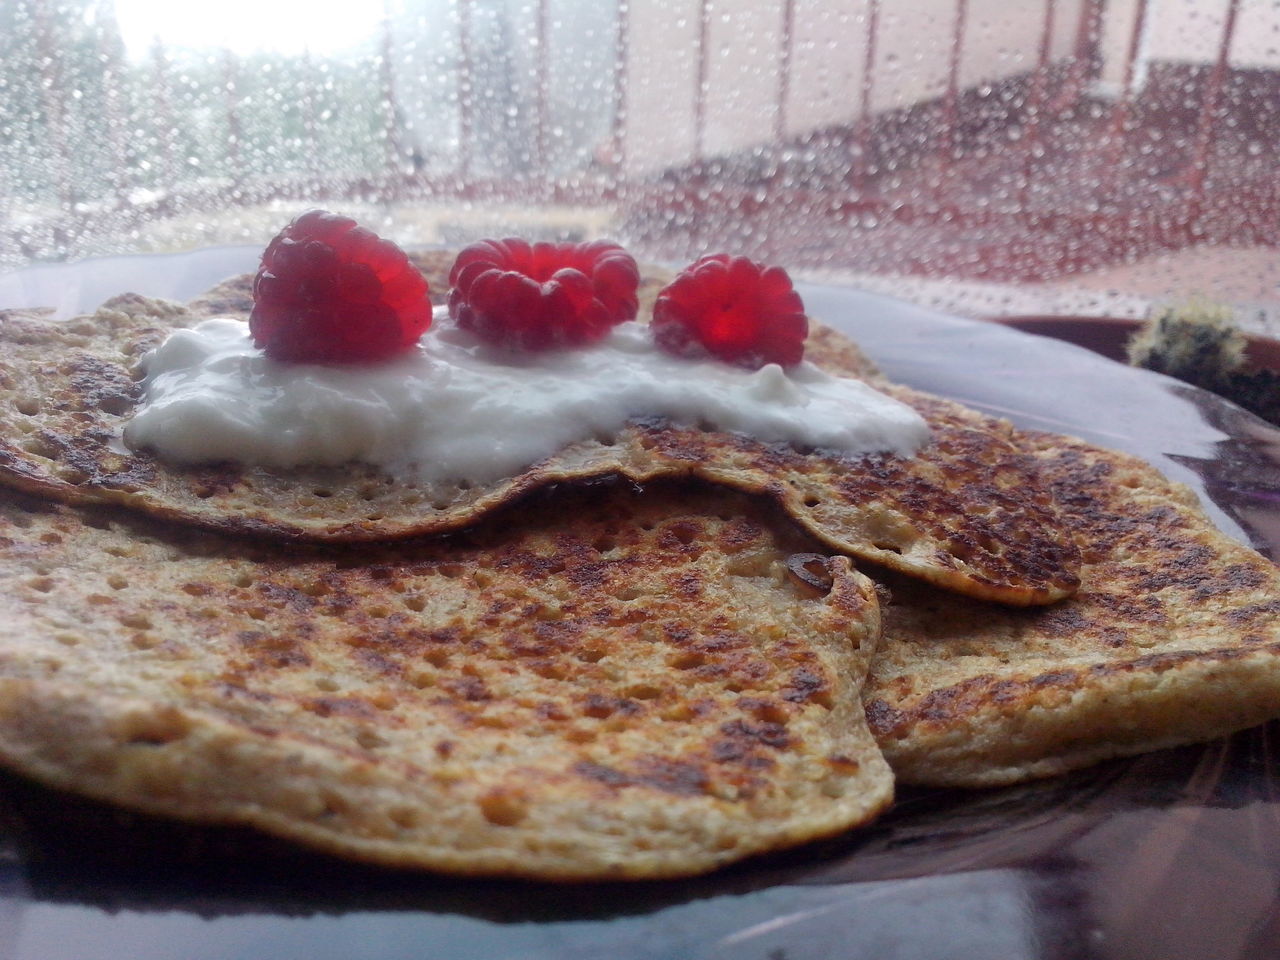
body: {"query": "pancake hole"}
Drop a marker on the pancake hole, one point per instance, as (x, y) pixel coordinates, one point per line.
(68, 639)
(770, 712)
(334, 806)
(591, 656)
(27, 406)
(833, 789)
(503, 808)
(684, 533)
(812, 501)
(811, 570)
(327, 684)
(422, 679)
(688, 660)
(117, 404)
(437, 658)
(887, 547)
(322, 493)
(244, 580)
(72, 475)
(450, 571)
(406, 818)
(642, 691)
(136, 621)
(40, 447)
(415, 603)
(678, 713)
(370, 739)
(551, 670)
(117, 582)
(748, 565)
(337, 608)
(156, 729)
(315, 588)
(144, 641)
(41, 584)
(845, 766)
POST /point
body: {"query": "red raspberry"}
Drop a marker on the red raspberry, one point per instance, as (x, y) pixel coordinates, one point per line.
(329, 291)
(733, 309)
(544, 295)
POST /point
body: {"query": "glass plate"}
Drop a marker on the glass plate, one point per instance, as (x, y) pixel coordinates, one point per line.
(1172, 854)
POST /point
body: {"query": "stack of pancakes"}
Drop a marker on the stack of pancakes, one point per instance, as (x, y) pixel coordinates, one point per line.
(642, 657)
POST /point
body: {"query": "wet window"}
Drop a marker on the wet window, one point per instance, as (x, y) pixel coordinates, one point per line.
(1048, 157)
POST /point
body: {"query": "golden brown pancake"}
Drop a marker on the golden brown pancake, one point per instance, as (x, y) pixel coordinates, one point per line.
(969, 513)
(1173, 637)
(609, 685)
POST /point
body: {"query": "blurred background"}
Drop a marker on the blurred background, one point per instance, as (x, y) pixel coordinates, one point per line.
(1079, 157)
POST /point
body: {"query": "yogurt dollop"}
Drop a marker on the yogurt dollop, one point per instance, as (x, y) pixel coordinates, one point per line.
(455, 408)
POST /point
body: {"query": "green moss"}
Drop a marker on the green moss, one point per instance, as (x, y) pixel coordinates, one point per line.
(1200, 343)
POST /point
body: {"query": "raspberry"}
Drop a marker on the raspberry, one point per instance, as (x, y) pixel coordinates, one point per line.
(329, 291)
(544, 295)
(733, 309)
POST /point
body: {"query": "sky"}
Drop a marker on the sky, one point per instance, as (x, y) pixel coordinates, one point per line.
(244, 26)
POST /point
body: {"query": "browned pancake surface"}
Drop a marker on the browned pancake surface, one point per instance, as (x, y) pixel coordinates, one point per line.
(969, 513)
(611, 685)
(1173, 637)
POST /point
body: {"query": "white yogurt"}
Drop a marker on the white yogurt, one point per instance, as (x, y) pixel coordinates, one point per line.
(455, 408)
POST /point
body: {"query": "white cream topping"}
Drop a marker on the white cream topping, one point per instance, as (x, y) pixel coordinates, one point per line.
(455, 408)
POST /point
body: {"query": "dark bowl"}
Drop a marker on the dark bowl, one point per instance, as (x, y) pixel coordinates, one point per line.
(1110, 336)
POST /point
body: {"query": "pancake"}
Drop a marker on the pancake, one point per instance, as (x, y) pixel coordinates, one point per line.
(1173, 638)
(968, 513)
(613, 684)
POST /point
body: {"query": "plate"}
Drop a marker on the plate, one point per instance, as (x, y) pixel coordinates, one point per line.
(1171, 854)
